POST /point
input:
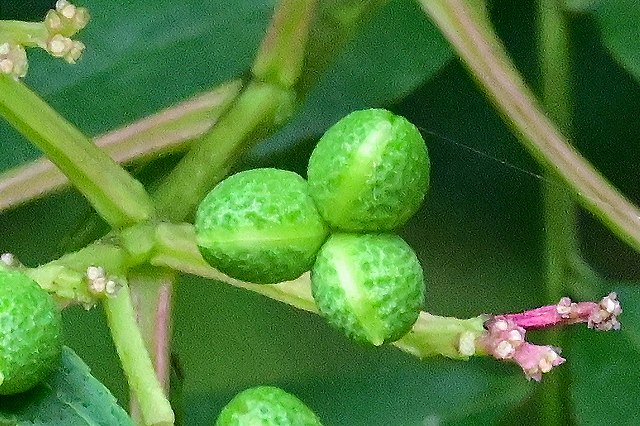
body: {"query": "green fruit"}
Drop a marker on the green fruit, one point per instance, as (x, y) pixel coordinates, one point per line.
(369, 172)
(369, 286)
(260, 226)
(30, 333)
(266, 406)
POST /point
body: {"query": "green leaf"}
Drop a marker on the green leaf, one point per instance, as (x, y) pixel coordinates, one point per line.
(618, 22)
(606, 367)
(70, 397)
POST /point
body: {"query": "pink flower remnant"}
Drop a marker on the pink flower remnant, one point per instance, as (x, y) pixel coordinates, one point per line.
(505, 335)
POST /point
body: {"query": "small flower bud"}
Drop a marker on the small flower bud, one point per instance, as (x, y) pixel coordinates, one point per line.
(69, 18)
(605, 316)
(99, 284)
(77, 47)
(53, 22)
(65, 9)
(467, 343)
(59, 45)
(9, 260)
(63, 47)
(505, 340)
(13, 60)
(536, 360)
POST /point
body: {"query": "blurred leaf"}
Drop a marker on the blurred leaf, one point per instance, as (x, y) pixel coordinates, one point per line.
(606, 368)
(629, 296)
(581, 6)
(619, 22)
(70, 397)
(397, 51)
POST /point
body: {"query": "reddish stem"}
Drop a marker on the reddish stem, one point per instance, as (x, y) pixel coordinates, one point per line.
(602, 315)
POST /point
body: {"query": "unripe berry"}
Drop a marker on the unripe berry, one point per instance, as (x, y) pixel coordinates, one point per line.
(369, 286)
(30, 333)
(266, 406)
(260, 226)
(369, 172)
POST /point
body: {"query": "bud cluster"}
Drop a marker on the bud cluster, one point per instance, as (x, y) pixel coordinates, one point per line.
(99, 284)
(63, 22)
(504, 338)
(53, 35)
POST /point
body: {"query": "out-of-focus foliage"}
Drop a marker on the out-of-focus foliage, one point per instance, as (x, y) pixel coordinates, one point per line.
(619, 22)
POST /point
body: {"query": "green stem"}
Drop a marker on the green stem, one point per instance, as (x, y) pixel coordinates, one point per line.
(265, 104)
(23, 33)
(165, 132)
(121, 317)
(470, 33)
(561, 241)
(280, 57)
(175, 248)
(431, 335)
(260, 108)
(116, 196)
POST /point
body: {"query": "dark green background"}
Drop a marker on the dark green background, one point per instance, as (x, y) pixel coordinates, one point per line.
(478, 235)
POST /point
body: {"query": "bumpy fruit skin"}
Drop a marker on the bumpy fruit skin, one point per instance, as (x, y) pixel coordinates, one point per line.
(266, 406)
(30, 333)
(260, 226)
(369, 286)
(369, 172)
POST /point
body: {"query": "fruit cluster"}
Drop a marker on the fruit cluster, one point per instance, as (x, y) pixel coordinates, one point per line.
(366, 177)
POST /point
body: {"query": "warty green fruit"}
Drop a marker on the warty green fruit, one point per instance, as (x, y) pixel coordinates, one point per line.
(30, 333)
(369, 172)
(266, 406)
(260, 226)
(369, 286)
